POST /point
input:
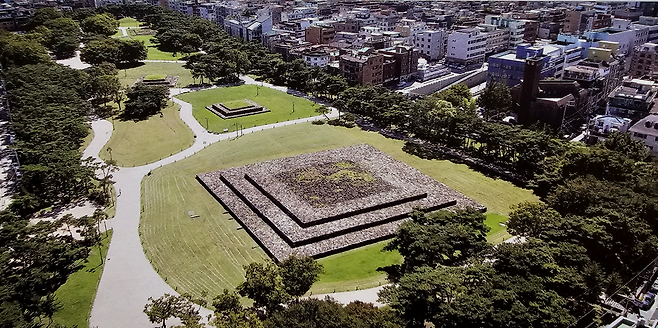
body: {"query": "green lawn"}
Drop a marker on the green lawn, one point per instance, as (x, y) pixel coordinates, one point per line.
(128, 22)
(138, 143)
(358, 267)
(128, 76)
(498, 233)
(279, 103)
(207, 253)
(77, 295)
(153, 52)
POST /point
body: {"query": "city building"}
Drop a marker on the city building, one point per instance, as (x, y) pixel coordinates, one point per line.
(319, 58)
(580, 21)
(405, 61)
(516, 28)
(248, 28)
(364, 67)
(497, 38)
(646, 130)
(320, 34)
(509, 66)
(601, 126)
(633, 99)
(431, 44)
(645, 61)
(466, 47)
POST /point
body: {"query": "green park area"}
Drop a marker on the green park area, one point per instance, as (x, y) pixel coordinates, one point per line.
(128, 76)
(140, 142)
(77, 295)
(279, 103)
(195, 245)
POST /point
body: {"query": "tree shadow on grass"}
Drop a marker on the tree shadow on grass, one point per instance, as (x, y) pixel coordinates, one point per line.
(121, 66)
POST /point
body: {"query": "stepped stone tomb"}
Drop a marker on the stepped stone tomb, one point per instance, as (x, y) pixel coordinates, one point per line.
(158, 79)
(327, 202)
(237, 108)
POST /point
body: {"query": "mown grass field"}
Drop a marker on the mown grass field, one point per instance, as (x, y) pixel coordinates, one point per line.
(279, 103)
(138, 143)
(77, 295)
(153, 52)
(128, 22)
(207, 253)
(128, 76)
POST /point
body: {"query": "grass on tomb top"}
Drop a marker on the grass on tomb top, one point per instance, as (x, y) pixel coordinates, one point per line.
(155, 77)
(77, 295)
(282, 106)
(137, 143)
(206, 253)
(235, 104)
(127, 77)
(128, 22)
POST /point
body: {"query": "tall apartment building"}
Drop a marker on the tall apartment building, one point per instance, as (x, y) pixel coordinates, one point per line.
(466, 47)
(431, 44)
(320, 34)
(364, 67)
(516, 28)
(645, 61)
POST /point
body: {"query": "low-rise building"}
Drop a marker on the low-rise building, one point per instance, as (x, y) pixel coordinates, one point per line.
(634, 99)
(318, 58)
(516, 28)
(364, 67)
(497, 38)
(601, 126)
(248, 28)
(646, 130)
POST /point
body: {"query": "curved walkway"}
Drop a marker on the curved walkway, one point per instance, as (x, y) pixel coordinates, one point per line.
(129, 279)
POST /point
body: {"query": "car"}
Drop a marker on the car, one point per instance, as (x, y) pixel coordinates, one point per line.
(645, 301)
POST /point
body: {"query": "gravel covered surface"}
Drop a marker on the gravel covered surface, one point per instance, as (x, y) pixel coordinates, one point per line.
(271, 199)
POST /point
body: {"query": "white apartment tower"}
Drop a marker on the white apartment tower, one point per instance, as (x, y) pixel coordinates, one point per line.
(466, 47)
(431, 44)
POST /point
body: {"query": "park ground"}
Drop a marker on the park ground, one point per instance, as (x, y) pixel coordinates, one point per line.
(77, 295)
(282, 106)
(136, 143)
(206, 253)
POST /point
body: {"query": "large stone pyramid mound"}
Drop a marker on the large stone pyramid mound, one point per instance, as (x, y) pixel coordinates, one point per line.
(326, 202)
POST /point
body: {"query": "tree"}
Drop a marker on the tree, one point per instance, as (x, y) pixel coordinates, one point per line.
(63, 37)
(264, 284)
(623, 143)
(144, 100)
(440, 238)
(230, 314)
(18, 50)
(495, 100)
(41, 16)
(114, 51)
(103, 24)
(170, 306)
(299, 273)
(34, 263)
(533, 219)
(419, 294)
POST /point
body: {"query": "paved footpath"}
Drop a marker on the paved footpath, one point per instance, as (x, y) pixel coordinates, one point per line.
(128, 279)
